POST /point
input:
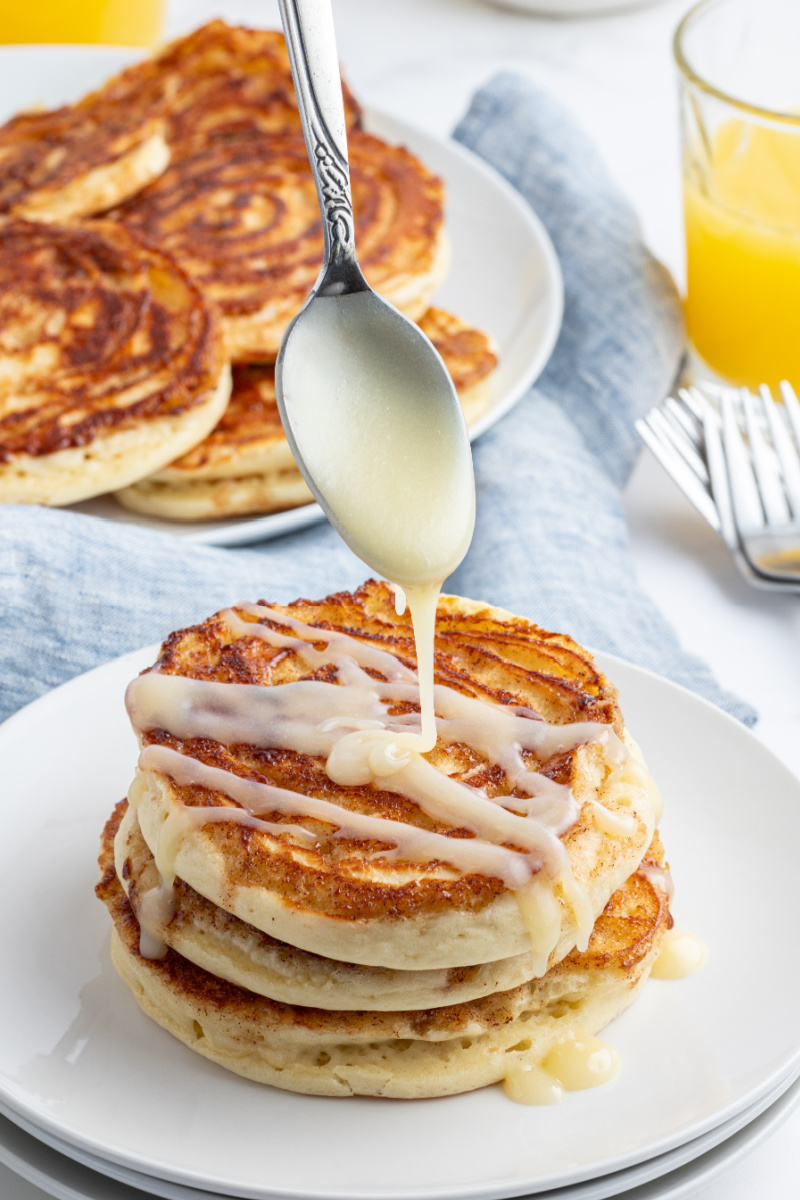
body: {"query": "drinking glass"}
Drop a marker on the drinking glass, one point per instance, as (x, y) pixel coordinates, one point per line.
(114, 22)
(740, 130)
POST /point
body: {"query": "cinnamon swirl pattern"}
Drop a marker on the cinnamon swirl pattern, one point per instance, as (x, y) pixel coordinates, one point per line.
(77, 160)
(245, 465)
(241, 215)
(218, 81)
(198, 154)
(111, 363)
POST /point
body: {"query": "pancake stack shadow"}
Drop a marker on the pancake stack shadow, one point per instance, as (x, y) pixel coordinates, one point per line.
(333, 938)
(184, 183)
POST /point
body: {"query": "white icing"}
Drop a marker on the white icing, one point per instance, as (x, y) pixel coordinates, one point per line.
(348, 723)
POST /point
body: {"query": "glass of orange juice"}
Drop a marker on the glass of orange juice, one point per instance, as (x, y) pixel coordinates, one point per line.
(740, 129)
(113, 22)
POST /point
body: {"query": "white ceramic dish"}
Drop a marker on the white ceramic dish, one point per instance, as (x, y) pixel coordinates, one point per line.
(572, 8)
(79, 1062)
(677, 1173)
(70, 1175)
(505, 276)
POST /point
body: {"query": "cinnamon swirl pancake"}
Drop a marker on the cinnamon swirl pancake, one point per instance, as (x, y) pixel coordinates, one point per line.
(111, 363)
(245, 465)
(406, 1053)
(509, 837)
(78, 160)
(217, 81)
(241, 215)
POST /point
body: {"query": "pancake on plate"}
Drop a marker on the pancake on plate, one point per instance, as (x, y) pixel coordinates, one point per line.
(508, 838)
(217, 81)
(454, 1047)
(245, 465)
(241, 215)
(78, 160)
(111, 362)
(234, 951)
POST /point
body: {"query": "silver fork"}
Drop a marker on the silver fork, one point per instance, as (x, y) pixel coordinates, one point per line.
(759, 477)
(685, 435)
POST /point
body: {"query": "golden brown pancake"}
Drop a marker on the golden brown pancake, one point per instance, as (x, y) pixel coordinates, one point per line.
(241, 215)
(245, 465)
(78, 160)
(220, 943)
(404, 1054)
(111, 363)
(353, 897)
(216, 82)
(469, 354)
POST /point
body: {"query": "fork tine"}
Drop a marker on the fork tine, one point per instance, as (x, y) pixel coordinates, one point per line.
(792, 407)
(773, 500)
(788, 456)
(694, 401)
(744, 493)
(681, 416)
(660, 423)
(718, 471)
(677, 469)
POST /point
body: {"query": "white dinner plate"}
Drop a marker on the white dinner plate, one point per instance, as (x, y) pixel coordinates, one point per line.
(70, 1174)
(505, 277)
(676, 1173)
(80, 1062)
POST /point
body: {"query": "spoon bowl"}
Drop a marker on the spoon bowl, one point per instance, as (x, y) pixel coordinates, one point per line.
(367, 404)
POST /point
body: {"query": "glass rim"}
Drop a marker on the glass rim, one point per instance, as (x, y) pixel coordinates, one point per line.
(694, 77)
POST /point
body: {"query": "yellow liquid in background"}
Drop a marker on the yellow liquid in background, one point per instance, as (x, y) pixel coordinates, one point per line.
(113, 22)
(743, 256)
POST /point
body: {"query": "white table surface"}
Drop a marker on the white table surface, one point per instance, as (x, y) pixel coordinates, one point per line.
(421, 60)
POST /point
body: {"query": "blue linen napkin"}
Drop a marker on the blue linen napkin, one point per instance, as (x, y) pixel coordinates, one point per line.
(550, 540)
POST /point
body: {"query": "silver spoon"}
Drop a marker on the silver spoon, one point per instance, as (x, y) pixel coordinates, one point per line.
(367, 404)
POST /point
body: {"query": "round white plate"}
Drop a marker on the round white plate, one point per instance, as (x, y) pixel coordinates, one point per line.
(676, 1173)
(70, 1174)
(80, 1062)
(504, 278)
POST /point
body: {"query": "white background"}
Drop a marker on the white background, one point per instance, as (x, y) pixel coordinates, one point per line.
(421, 60)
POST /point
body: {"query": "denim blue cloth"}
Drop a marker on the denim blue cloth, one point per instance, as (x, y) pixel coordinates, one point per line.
(550, 541)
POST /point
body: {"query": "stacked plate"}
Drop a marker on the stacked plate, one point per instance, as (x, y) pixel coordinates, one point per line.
(708, 1064)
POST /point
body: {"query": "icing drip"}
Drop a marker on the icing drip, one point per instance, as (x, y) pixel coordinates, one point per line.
(516, 838)
(681, 955)
(577, 1061)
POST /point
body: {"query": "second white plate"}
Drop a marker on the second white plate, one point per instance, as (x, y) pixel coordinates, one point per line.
(505, 277)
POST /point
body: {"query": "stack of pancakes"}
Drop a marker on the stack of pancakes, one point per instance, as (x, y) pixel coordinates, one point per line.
(386, 937)
(193, 160)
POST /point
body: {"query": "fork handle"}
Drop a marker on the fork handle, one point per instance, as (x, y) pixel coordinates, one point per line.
(311, 42)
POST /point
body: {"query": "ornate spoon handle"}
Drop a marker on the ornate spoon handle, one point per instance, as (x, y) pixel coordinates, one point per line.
(311, 42)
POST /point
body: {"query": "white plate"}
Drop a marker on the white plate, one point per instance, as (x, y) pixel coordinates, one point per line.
(71, 1174)
(669, 1175)
(81, 1063)
(505, 276)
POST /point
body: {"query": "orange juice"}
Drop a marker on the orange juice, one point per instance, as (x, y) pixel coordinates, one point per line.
(115, 22)
(743, 254)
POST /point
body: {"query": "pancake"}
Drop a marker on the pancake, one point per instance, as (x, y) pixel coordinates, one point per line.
(245, 465)
(111, 363)
(232, 950)
(241, 215)
(404, 1054)
(218, 81)
(469, 355)
(78, 160)
(464, 869)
